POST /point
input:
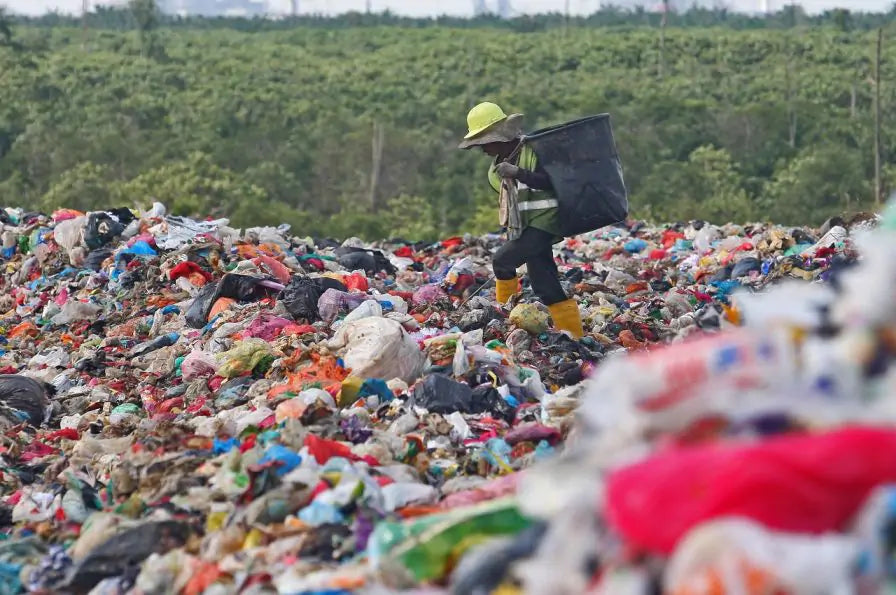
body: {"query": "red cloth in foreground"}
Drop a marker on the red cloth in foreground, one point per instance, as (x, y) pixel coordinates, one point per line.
(805, 483)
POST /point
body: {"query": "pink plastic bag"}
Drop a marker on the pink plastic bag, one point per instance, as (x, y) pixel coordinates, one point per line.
(198, 364)
(428, 294)
(267, 326)
(807, 483)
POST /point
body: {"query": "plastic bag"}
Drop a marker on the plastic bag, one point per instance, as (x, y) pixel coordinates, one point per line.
(440, 394)
(101, 229)
(398, 495)
(302, 295)
(243, 358)
(794, 483)
(428, 294)
(266, 326)
(95, 258)
(370, 261)
(396, 303)
(197, 313)
(367, 309)
(74, 310)
(425, 548)
(69, 234)
(124, 551)
(333, 301)
(198, 364)
(244, 288)
(357, 282)
(743, 557)
(378, 348)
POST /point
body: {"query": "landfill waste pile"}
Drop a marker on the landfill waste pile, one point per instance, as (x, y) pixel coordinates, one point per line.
(190, 408)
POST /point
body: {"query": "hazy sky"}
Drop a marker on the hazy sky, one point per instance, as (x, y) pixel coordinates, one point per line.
(458, 7)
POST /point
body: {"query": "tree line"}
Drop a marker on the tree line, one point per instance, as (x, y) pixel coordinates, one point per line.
(345, 128)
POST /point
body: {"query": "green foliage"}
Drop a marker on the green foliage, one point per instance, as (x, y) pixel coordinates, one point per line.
(196, 186)
(5, 27)
(414, 218)
(707, 186)
(788, 16)
(351, 129)
(146, 16)
(82, 187)
(804, 189)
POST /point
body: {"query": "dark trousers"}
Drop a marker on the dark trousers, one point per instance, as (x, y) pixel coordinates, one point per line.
(532, 248)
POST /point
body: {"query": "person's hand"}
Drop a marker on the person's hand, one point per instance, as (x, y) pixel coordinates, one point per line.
(507, 170)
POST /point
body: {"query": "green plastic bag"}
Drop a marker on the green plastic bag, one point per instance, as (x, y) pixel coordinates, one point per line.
(244, 358)
(428, 547)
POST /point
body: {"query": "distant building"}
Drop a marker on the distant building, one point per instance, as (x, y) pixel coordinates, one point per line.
(504, 10)
(215, 8)
(501, 8)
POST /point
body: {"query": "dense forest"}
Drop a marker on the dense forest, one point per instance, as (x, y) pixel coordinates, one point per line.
(349, 126)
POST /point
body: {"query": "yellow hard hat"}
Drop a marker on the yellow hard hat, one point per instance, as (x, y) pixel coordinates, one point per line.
(483, 116)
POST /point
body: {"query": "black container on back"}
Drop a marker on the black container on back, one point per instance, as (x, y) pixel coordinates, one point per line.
(581, 159)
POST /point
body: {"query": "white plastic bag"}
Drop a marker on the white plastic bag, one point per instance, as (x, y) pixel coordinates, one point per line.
(69, 234)
(736, 551)
(378, 348)
(73, 310)
(368, 309)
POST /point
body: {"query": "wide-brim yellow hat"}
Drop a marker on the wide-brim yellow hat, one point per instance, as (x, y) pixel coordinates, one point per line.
(487, 123)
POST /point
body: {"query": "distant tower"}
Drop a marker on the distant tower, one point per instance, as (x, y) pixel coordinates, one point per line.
(763, 6)
(295, 8)
(504, 9)
(479, 8)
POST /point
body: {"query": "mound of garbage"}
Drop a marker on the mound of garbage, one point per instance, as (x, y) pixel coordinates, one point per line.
(190, 408)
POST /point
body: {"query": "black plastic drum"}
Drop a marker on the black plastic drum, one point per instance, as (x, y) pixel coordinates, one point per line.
(581, 159)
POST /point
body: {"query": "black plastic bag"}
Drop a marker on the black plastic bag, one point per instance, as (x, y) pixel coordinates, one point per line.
(723, 274)
(358, 261)
(197, 313)
(746, 266)
(487, 399)
(101, 229)
(243, 288)
(124, 215)
(301, 295)
(581, 159)
(95, 258)
(483, 570)
(440, 394)
(23, 399)
(371, 261)
(125, 551)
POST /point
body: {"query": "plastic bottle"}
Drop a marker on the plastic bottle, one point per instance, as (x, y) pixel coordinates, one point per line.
(163, 341)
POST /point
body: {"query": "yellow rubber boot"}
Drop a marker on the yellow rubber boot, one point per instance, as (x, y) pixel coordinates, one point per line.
(505, 289)
(567, 318)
